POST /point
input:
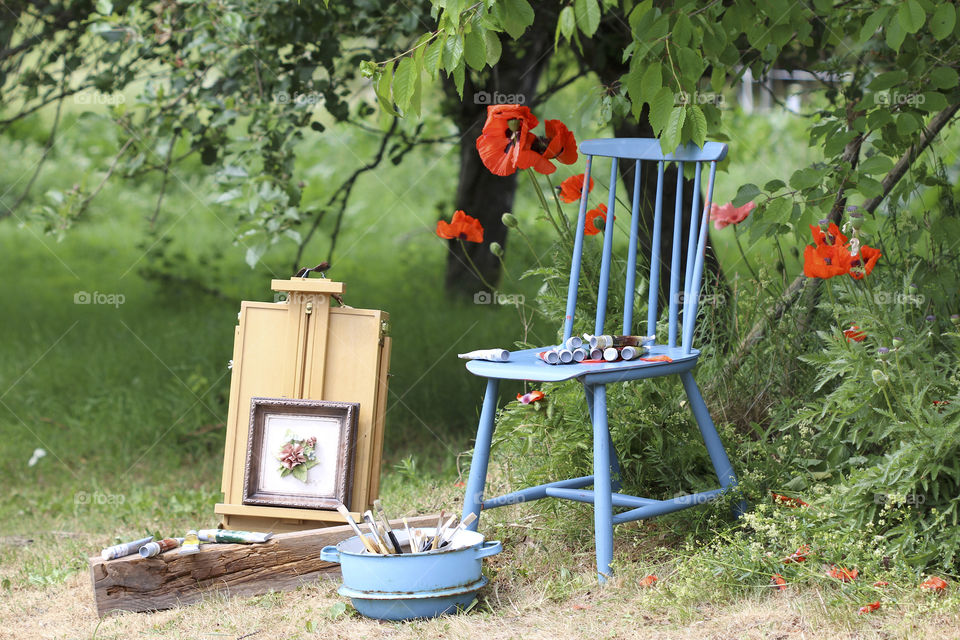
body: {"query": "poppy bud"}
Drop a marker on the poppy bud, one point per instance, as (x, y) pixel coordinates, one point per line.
(496, 249)
(882, 352)
(931, 318)
(897, 342)
(824, 224)
(879, 377)
(514, 124)
(856, 220)
(955, 318)
(599, 223)
(510, 221)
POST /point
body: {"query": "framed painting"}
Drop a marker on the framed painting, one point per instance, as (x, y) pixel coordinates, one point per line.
(300, 453)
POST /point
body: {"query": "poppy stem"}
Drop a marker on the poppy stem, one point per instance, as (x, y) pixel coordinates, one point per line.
(544, 205)
(736, 238)
(473, 266)
(556, 200)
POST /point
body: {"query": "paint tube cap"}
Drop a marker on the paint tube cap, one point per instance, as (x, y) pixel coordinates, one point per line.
(610, 354)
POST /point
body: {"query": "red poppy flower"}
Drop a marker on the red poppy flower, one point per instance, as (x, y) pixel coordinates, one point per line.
(861, 265)
(572, 188)
(832, 236)
(787, 501)
(873, 606)
(777, 582)
(727, 214)
(648, 581)
(842, 574)
(505, 135)
(881, 583)
(825, 261)
(589, 227)
(935, 584)
(558, 144)
(800, 555)
(854, 333)
(530, 398)
(462, 227)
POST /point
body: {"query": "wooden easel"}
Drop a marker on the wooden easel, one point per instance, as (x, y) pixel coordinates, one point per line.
(303, 348)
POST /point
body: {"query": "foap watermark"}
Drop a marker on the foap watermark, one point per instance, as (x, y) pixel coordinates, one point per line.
(893, 498)
(98, 498)
(910, 99)
(711, 299)
(891, 297)
(698, 97)
(98, 297)
(485, 97)
(296, 297)
(95, 97)
(691, 498)
(285, 97)
(496, 297)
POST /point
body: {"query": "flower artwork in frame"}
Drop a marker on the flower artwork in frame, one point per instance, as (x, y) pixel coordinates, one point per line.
(300, 453)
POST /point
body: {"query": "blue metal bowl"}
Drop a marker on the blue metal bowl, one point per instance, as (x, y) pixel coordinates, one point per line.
(408, 586)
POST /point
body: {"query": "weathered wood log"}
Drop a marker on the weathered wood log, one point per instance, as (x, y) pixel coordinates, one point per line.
(283, 563)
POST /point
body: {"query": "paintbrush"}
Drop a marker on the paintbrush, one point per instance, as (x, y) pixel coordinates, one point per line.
(369, 546)
(467, 521)
(368, 518)
(386, 525)
(436, 532)
(443, 529)
(406, 525)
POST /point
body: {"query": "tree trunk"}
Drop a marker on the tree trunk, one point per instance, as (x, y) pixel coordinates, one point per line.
(481, 194)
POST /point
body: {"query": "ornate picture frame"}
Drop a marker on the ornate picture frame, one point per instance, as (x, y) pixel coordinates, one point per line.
(300, 453)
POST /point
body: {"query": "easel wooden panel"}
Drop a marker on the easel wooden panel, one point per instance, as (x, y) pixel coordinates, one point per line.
(303, 348)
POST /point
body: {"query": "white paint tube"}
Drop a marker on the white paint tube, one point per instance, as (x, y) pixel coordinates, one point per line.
(596, 354)
(125, 549)
(156, 548)
(566, 356)
(493, 355)
(590, 340)
(610, 354)
(573, 343)
(550, 357)
(236, 537)
(629, 353)
(580, 354)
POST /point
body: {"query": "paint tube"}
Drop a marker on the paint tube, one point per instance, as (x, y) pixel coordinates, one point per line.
(610, 354)
(566, 356)
(125, 549)
(550, 357)
(191, 543)
(620, 341)
(234, 537)
(596, 354)
(629, 353)
(590, 340)
(156, 548)
(579, 354)
(573, 342)
(493, 355)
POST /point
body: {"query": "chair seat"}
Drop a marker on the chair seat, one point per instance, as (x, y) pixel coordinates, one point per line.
(527, 365)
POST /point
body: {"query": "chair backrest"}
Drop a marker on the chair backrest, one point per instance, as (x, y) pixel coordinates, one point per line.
(647, 156)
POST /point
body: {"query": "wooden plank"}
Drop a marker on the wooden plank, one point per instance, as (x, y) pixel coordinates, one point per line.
(308, 285)
(282, 513)
(383, 377)
(285, 562)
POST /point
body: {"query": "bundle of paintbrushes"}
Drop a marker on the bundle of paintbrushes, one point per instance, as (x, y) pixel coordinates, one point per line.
(597, 349)
(381, 539)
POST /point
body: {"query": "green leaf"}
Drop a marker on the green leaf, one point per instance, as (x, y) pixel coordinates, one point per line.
(514, 16)
(382, 90)
(650, 83)
(452, 52)
(459, 77)
(745, 194)
(869, 187)
(475, 49)
(638, 13)
(774, 185)
(431, 58)
(682, 29)
(403, 82)
(931, 101)
(872, 23)
(907, 123)
(300, 473)
(887, 80)
(944, 78)
(587, 13)
(660, 108)
(911, 16)
(698, 133)
(805, 178)
(895, 34)
(254, 253)
(778, 210)
(493, 47)
(567, 23)
(104, 7)
(875, 165)
(943, 21)
(670, 139)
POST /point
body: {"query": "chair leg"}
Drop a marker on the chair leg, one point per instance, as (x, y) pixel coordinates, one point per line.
(473, 499)
(602, 490)
(718, 455)
(614, 462)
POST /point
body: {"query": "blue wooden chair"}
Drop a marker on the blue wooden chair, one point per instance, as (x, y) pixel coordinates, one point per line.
(526, 364)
